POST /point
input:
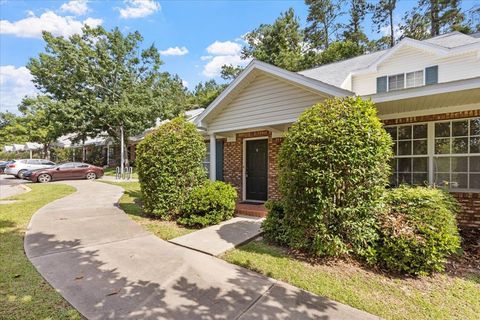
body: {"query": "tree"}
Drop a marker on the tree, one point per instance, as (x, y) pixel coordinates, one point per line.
(340, 50)
(322, 22)
(230, 72)
(116, 85)
(383, 17)
(13, 129)
(280, 43)
(205, 93)
(353, 29)
(47, 120)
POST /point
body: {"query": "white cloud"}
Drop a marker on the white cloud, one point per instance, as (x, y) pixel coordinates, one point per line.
(32, 26)
(139, 8)
(15, 84)
(224, 48)
(174, 51)
(222, 53)
(214, 66)
(77, 7)
(185, 83)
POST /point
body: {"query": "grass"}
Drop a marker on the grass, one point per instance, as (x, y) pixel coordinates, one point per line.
(23, 292)
(112, 171)
(438, 297)
(131, 203)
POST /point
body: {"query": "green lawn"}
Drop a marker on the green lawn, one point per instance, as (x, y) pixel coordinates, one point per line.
(112, 172)
(439, 297)
(131, 203)
(23, 292)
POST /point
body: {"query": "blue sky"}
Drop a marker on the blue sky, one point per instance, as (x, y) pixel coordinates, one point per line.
(195, 37)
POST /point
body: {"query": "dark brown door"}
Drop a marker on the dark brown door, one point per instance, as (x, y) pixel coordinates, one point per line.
(256, 169)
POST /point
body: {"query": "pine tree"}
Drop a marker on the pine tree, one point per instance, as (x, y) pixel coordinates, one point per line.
(383, 17)
(322, 22)
(353, 29)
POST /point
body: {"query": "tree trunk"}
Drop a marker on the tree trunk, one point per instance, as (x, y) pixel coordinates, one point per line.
(435, 28)
(392, 31)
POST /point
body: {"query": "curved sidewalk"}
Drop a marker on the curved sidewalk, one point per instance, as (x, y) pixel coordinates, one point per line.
(108, 267)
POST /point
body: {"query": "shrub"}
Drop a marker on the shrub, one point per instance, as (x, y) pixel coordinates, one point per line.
(170, 163)
(207, 204)
(418, 230)
(333, 169)
(274, 227)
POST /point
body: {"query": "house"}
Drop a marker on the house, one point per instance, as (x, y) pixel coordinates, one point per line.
(427, 94)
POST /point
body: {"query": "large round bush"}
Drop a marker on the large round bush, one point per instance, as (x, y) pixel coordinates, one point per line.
(333, 169)
(418, 230)
(209, 203)
(170, 163)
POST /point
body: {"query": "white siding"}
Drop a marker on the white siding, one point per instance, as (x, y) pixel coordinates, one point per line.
(409, 59)
(266, 100)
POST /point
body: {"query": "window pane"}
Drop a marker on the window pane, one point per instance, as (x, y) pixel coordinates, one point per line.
(459, 164)
(475, 127)
(404, 164)
(475, 164)
(420, 179)
(460, 128)
(442, 164)
(442, 129)
(460, 145)
(420, 147)
(420, 165)
(442, 146)
(396, 82)
(420, 131)
(405, 148)
(404, 178)
(392, 131)
(405, 132)
(442, 179)
(394, 148)
(474, 144)
(474, 181)
(393, 164)
(459, 180)
(414, 79)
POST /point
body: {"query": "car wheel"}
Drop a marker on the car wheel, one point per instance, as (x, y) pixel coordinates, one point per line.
(91, 176)
(43, 178)
(21, 173)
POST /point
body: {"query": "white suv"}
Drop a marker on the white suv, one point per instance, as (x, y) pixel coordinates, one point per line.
(18, 167)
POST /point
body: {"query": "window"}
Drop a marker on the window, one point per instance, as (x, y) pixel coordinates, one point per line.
(34, 161)
(410, 164)
(457, 154)
(415, 79)
(67, 165)
(396, 82)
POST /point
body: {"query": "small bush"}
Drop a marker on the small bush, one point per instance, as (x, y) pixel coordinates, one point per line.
(209, 203)
(274, 227)
(418, 230)
(333, 169)
(170, 163)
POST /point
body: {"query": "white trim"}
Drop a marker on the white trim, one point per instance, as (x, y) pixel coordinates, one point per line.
(244, 165)
(213, 156)
(260, 125)
(299, 79)
(428, 112)
(445, 87)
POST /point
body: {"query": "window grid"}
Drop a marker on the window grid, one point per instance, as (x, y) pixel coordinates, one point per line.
(414, 79)
(453, 175)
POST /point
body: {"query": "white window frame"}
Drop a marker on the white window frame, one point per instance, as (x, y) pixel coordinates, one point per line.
(414, 86)
(431, 151)
(405, 79)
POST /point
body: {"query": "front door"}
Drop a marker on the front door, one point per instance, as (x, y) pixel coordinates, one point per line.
(256, 172)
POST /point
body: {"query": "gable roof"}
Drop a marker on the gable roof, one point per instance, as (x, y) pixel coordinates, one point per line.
(336, 73)
(256, 66)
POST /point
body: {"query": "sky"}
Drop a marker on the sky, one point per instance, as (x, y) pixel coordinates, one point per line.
(195, 38)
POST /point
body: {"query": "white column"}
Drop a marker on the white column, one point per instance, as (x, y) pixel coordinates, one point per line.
(430, 151)
(212, 157)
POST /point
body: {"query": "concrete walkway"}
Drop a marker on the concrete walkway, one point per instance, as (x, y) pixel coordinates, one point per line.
(222, 237)
(108, 267)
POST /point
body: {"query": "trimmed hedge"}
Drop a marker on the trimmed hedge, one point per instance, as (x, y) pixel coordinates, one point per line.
(418, 230)
(208, 204)
(333, 170)
(170, 164)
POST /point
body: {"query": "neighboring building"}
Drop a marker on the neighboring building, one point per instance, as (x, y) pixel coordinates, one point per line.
(427, 94)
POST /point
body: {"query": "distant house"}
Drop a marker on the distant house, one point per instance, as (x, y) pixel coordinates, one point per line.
(427, 94)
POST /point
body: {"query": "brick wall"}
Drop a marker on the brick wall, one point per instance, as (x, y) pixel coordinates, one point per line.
(469, 217)
(233, 161)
